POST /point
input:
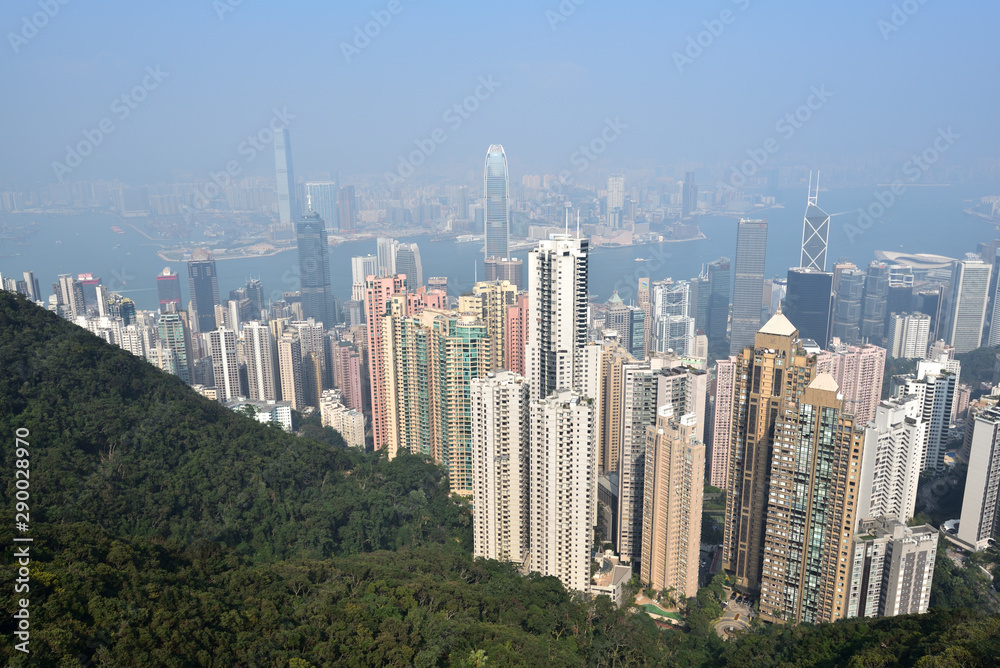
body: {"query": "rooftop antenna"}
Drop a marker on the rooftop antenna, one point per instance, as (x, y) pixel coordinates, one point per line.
(475, 271)
(309, 202)
(577, 223)
(567, 219)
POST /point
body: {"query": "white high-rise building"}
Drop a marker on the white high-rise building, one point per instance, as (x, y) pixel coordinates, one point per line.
(891, 460)
(934, 384)
(563, 487)
(909, 334)
(500, 438)
(979, 526)
(222, 344)
(386, 249)
(261, 354)
(966, 305)
(362, 266)
(892, 568)
(556, 356)
(673, 320)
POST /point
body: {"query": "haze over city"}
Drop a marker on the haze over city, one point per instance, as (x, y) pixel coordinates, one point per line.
(560, 69)
(559, 333)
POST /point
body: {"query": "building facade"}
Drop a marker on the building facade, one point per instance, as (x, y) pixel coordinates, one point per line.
(672, 505)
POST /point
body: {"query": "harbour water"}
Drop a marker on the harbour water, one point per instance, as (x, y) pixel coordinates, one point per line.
(922, 220)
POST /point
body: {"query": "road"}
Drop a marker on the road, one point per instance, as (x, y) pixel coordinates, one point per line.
(729, 621)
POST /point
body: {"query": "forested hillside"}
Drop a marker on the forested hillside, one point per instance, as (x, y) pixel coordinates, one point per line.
(169, 531)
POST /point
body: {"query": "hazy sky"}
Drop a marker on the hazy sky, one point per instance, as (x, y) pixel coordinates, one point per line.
(561, 73)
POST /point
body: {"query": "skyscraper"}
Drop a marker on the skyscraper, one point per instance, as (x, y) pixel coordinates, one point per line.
(317, 298)
(980, 521)
(34, 290)
(323, 195)
(562, 488)
(789, 517)
(809, 302)
(892, 569)
(490, 301)
(689, 195)
(643, 386)
(204, 289)
(722, 421)
(500, 438)
(858, 372)
(362, 266)
(497, 219)
(850, 287)
(168, 289)
(378, 295)
(748, 287)
(719, 285)
(386, 248)
(222, 347)
(934, 384)
(287, 206)
(347, 209)
(673, 321)
(557, 301)
(174, 345)
(891, 460)
(290, 372)
(875, 303)
(430, 360)
(261, 355)
(408, 262)
(909, 334)
(512, 269)
(70, 293)
(815, 232)
(615, 201)
(671, 513)
(516, 333)
(644, 302)
(967, 299)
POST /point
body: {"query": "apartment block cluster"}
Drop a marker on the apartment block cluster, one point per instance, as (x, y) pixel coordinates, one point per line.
(584, 433)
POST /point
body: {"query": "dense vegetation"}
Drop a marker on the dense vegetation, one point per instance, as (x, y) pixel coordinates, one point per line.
(977, 366)
(169, 531)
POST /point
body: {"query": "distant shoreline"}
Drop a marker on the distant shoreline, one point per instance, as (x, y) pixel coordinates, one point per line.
(178, 255)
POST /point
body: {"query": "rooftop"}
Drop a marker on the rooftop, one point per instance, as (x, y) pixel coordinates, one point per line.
(824, 381)
(778, 325)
